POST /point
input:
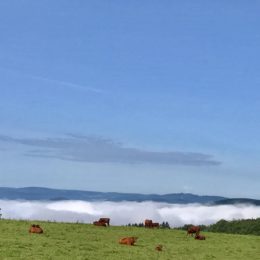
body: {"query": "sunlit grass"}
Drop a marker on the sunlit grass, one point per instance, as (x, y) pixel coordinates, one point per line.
(82, 241)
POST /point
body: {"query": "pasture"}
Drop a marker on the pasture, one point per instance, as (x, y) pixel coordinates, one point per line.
(85, 241)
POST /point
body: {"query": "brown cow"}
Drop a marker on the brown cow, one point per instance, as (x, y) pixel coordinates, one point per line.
(100, 224)
(193, 230)
(200, 237)
(148, 223)
(130, 241)
(155, 225)
(105, 220)
(159, 247)
(35, 229)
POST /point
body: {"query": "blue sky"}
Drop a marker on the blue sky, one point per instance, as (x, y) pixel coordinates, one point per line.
(131, 96)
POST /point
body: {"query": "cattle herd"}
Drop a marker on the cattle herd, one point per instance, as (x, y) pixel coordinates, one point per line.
(130, 241)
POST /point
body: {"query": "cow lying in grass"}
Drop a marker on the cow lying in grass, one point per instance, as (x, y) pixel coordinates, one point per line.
(35, 229)
(200, 237)
(130, 241)
(159, 247)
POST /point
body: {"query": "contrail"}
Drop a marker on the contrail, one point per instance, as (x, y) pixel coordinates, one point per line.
(65, 83)
(60, 82)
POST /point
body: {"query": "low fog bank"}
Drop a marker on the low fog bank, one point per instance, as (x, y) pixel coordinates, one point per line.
(122, 213)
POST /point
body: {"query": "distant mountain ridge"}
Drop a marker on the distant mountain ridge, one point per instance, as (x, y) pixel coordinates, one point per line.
(238, 201)
(47, 194)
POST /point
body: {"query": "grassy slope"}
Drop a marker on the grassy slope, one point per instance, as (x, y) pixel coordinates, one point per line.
(81, 241)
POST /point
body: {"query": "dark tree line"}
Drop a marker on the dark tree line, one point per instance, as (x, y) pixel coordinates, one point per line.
(242, 226)
(245, 227)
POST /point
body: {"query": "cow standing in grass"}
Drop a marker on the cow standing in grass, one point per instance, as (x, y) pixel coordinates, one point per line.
(105, 220)
(193, 230)
(148, 223)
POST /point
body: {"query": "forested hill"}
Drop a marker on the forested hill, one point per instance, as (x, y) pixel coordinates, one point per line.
(37, 193)
(242, 226)
(237, 201)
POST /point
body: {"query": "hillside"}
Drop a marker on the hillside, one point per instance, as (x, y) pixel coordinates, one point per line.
(36, 193)
(82, 241)
(237, 201)
(39, 193)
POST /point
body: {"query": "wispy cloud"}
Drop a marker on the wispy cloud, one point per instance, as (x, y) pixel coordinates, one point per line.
(66, 84)
(100, 150)
(122, 213)
(54, 81)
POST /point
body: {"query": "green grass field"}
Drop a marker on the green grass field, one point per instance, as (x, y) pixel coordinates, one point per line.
(82, 241)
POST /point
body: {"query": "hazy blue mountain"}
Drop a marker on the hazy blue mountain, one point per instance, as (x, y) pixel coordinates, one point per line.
(36, 193)
(238, 201)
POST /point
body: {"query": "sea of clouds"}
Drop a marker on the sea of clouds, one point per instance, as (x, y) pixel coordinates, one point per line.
(122, 213)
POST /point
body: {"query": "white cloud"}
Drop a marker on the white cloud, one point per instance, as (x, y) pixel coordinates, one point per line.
(122, 213)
